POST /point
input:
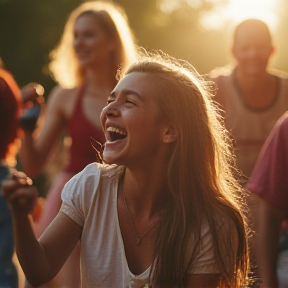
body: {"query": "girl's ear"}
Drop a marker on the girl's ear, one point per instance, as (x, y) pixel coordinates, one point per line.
(170, 134)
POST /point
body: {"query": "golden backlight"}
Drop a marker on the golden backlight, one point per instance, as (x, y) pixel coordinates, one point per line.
(227, 11)
(261, 9)
(238, 10)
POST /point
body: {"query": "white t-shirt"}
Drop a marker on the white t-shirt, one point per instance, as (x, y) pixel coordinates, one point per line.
(90, 199)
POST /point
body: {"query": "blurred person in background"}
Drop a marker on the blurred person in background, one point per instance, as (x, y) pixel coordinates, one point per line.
(10, 110)
(252, 95)
(96, 40)
(269, 207)
(13, 102)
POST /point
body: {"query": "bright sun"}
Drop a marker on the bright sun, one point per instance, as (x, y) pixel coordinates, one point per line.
(233, 11)
(237, 10)
(262, 9)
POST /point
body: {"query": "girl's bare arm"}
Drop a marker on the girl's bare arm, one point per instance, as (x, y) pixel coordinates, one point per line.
(40, 260)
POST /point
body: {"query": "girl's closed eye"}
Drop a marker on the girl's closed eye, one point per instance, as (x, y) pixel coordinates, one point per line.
(129, 101)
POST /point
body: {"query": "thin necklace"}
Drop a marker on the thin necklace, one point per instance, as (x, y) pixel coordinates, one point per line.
(137, 236)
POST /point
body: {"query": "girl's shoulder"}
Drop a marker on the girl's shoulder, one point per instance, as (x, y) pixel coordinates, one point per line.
(101, 170)
(93, 178)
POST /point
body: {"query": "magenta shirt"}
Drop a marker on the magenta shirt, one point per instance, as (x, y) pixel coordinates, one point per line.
(269, 178)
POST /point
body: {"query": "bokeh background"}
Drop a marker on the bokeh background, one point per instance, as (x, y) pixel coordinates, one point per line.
(195, 30)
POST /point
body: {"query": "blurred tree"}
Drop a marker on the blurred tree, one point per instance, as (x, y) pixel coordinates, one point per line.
(28, 31)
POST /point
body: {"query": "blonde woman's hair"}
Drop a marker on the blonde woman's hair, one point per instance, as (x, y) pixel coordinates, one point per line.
(202, 189)
(64, 65)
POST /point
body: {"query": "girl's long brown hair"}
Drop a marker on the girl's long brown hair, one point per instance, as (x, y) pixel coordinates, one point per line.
(201, 179)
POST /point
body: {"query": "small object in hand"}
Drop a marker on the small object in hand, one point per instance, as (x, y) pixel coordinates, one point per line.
(32, 97)
(31, 92)
(29, 118)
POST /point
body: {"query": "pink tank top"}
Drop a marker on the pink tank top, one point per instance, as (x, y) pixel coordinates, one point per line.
(80, 131)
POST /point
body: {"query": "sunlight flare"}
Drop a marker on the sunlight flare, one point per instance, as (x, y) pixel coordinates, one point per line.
(236, 11)
(232, 11)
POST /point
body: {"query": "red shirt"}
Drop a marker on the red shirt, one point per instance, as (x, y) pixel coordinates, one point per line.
(80, 131)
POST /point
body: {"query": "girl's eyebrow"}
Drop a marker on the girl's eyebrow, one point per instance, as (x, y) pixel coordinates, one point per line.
(126, 92)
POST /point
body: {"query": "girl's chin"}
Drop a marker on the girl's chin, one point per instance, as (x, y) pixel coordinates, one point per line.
(110, 159)
(109, 162)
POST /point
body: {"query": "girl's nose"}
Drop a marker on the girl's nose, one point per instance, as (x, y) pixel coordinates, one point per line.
(110, 110)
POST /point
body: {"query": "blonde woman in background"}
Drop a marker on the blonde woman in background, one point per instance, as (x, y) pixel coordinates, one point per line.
(96, 40)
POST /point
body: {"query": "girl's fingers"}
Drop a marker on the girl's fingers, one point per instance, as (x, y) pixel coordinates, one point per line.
(15, 180)
(19, 192)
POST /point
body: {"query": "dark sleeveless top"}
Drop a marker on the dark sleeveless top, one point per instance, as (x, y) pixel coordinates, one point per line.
(81, 130)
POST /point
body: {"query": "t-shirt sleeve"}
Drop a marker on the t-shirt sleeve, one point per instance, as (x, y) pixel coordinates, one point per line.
(78, 193)
(204, 261)
(270, 176)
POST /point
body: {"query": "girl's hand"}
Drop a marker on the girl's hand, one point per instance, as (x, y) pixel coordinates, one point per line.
(21, 196)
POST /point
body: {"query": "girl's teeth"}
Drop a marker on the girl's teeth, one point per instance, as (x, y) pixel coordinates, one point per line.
(112, 129)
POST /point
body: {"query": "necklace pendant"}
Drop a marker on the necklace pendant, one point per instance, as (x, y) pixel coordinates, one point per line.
(138, 241)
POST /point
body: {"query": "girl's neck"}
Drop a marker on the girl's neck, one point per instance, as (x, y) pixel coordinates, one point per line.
(144, 191)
